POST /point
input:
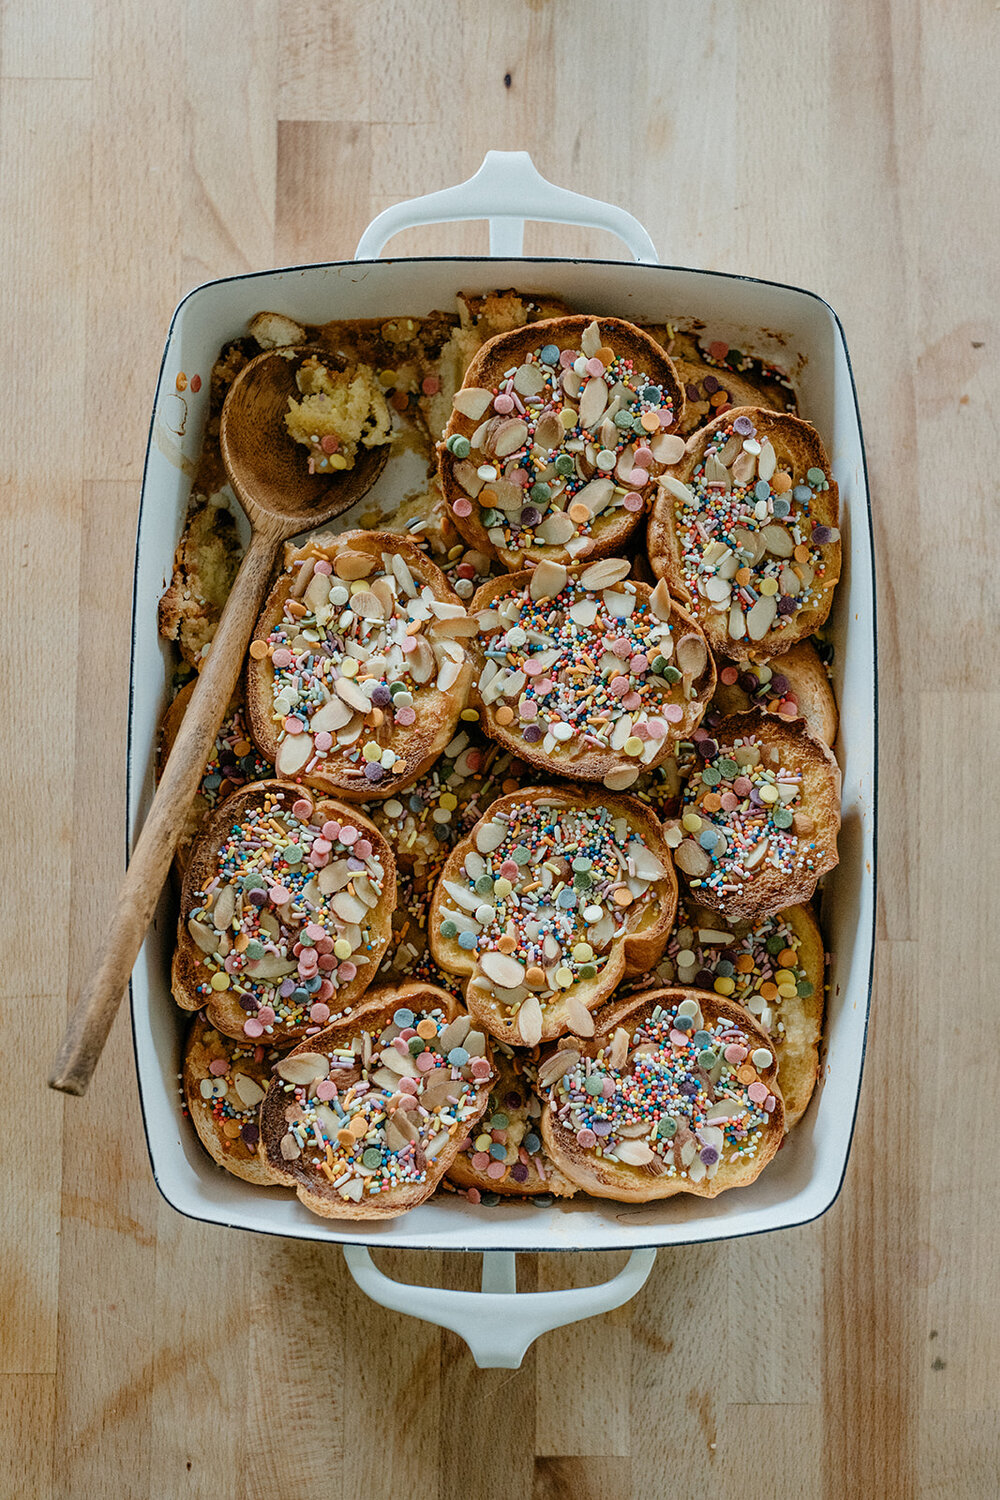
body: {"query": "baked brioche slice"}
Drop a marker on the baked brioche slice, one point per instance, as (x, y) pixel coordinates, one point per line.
(689, 1100)
(795, 686)
(774, 968)
(358, 669)
(759, 817)
(744, 528)
(285, 912)
(234, 761)
(365, 1118)
(504, 1153)
(554, 436)
(554, 894)
(587, 674)
(224, 1083)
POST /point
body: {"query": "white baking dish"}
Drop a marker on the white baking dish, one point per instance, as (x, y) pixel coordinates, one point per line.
(805, 337)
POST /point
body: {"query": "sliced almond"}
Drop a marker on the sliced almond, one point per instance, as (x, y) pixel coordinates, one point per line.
(691, 655)
(509, 437)
(777, 541)
(289, 1147)
(549, 432)
(466, 476)
(766, 459)
(556, 529)
(490, 836)
(557, 1065)
(348, 908)
(472, 401)
(271, 966)
(368, 605)
(349, 692)
(668, 448)
(660, 602)
(756, 855)
(331, 716)
(333, 877)
(692, 858)
(204, 937)
(317, 592)
(605, 573)
(528, 380)
(743, 468)
(547, 580)
(578, 1017)
(761, 616)
(590, 340)
(502, 968)
(529, 1022)
(593, 400)
(293, 753)
(618, 1051)
(634, 1153)
(596, 495)
(248, 1089)
(350, 566)
(737, 622)
(621, 780)
(303, 1067)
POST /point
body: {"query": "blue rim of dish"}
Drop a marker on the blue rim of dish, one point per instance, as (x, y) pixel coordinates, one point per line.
(526, 261)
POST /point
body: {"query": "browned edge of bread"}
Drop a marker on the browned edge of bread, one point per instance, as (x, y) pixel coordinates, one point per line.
(809, 685)
(235, 1155)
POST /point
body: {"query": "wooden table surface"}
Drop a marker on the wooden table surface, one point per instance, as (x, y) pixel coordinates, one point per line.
(846, 148)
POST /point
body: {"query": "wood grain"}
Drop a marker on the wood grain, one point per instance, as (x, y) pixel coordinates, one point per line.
(847, 148)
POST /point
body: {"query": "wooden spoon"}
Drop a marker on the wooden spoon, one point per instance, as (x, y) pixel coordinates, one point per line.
(268, 473)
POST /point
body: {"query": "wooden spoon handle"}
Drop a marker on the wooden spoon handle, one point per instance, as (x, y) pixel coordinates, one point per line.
(88, 1027)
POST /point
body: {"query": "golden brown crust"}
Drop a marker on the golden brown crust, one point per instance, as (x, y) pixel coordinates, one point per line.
(226, 1120)
(269, 804)
(798, 451)
(807, 694)
(552, 1007)
(698, 410)
(628, 1183)
(436, 673)
(658, 713)
(514, 1099)
(373, 1016)
(778, 865)
(608, 531)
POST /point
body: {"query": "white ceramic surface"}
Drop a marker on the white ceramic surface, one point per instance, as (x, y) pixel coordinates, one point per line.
(804, 337)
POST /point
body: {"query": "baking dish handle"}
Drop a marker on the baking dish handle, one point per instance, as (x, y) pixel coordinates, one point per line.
(507, 190)
(499, 1323)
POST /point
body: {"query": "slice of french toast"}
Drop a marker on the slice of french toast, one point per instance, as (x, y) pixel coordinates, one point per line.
(554, 435)
(745, 530)
(545, 905)
(359, 666)
(676, 1092)
(364, 1118)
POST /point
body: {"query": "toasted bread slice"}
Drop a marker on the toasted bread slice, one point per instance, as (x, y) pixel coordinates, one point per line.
(504, 1154)
(501, 465)
(348, 1112)
(543, 943)
(426, 820)
(774, 968)
(760, 816)
(224, 1083)
(745, 530)
(359, 667)
(234, 761)
(691, 1102)
(796, 686)
(285, 912)
(587, 674)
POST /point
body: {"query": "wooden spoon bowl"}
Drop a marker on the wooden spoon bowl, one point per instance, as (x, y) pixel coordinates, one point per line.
(268, 470)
